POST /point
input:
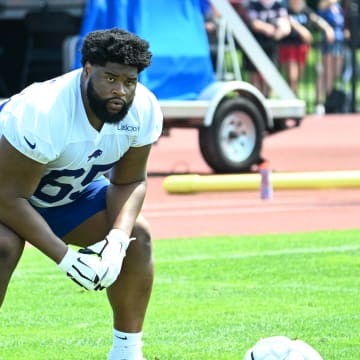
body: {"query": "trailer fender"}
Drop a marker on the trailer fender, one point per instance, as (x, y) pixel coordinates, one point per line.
(216, 92)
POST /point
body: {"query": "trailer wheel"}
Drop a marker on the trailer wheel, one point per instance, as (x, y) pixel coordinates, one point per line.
(233, 142)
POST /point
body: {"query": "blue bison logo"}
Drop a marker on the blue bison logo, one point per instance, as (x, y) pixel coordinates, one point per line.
(95, 154)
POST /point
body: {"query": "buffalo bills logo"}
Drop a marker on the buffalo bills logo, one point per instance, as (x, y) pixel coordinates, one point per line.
(95, 154)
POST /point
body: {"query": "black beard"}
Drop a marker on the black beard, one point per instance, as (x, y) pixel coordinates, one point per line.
(98, 106)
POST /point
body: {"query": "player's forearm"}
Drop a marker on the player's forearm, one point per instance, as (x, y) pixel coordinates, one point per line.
(19, 215)
(124, 204)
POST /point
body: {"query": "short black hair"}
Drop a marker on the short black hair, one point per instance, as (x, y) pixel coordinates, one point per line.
(115, 45)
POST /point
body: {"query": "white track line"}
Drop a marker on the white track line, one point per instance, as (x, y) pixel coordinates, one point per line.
(189, 203)
(166, 213)
(330, 249)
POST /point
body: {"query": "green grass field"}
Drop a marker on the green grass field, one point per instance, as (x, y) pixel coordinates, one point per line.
(213, 298)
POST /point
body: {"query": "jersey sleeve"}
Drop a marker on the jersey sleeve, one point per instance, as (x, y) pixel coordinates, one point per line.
(150, 117)
(28, 130)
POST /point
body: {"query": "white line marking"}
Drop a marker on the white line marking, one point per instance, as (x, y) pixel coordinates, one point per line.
(330, 249)
(236, 210)
(218, 202)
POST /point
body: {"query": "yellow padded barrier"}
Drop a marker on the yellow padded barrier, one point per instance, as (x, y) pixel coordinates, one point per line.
(191, 183)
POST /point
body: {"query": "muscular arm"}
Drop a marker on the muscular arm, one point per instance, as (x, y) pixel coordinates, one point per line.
(19, 177)
(126, 193)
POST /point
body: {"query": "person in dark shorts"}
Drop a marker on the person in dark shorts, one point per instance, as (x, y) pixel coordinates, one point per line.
(268, 21)
(294, 48)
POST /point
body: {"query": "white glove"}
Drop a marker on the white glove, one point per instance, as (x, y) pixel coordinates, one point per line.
(84, 269)
(112, 251)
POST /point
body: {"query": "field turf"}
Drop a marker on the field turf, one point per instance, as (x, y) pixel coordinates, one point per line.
(213, 298)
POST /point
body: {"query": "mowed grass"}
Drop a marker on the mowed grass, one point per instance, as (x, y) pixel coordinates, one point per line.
(213, 298)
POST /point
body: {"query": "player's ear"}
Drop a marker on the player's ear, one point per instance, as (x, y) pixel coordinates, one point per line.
(87, 69)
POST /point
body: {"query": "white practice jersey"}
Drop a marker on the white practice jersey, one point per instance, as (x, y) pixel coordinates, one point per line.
(47, 122)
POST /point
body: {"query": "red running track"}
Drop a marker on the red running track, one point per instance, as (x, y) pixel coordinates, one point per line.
(328, 142)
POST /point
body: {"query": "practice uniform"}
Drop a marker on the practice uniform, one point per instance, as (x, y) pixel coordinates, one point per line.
(47, 122)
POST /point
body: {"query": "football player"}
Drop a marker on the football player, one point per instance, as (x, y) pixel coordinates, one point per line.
(73, 157)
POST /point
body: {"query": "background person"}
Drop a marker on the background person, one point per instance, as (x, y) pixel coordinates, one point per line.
(269, 22)
(293, 50)
(332, 52)
(58, 140)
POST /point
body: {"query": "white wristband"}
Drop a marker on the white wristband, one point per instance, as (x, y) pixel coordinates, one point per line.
(68, 260)
(117, 234)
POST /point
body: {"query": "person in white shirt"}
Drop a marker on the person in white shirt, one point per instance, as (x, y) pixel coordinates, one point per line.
(73, 157)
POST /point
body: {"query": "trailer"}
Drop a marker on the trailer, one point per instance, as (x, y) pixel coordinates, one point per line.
(233, 117)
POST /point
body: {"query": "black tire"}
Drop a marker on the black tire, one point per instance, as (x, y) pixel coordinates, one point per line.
(232, 144)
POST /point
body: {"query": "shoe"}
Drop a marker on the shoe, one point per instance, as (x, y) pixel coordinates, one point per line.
(320, 109)
(114, 356)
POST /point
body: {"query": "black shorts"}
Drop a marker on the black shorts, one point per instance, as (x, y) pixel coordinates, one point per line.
(270, 49)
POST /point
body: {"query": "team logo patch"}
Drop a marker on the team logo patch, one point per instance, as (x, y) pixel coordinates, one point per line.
(95, 154)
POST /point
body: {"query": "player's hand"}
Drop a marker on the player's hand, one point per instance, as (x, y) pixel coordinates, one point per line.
(112, 251)
(86, 270)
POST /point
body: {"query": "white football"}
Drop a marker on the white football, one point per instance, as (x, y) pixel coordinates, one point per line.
(281, 348)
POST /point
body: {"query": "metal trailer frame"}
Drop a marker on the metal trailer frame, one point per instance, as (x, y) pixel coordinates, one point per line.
(233, 144)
